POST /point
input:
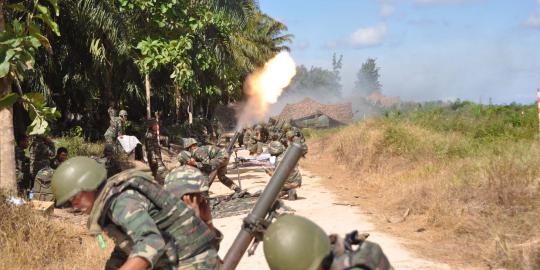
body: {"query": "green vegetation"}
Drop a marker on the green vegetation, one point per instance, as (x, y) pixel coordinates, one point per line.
(468, 171)
(193, 54)
(76, 146)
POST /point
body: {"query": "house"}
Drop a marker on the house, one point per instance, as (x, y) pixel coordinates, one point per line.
(310, 113)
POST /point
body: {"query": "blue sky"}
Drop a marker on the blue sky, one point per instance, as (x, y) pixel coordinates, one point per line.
(426, 49)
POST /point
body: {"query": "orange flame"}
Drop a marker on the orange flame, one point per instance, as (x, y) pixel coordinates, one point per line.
(264, 86)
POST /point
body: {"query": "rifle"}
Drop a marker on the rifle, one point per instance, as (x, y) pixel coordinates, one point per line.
(256, 222)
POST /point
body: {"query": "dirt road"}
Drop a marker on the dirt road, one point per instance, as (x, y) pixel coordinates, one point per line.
(323, 207)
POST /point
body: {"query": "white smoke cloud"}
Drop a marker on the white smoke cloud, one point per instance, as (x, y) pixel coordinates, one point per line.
(368, 36)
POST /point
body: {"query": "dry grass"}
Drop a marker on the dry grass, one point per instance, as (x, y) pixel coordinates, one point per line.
(29, 240)
(483, 196)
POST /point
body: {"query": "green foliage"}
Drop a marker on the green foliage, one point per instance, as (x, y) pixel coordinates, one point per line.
(23, 36)
(316, 81)
(18, 45)
(479, 122)
(367, 78)
(76, 146)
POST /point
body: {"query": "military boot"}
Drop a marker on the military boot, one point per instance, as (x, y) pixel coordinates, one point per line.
(291, 195)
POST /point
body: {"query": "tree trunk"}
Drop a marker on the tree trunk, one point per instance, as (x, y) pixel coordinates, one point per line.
(147, 86)
(7, 140)
(190, 111)
(178, 102)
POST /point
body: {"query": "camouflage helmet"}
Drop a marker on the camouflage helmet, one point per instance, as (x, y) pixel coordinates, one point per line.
(295, 243)
(185, 180)
(290, 134)
(286, 127)
(122, 113)
(275, 148)
(188, 142)
(258, 126)
(184, 157)
(75, 175)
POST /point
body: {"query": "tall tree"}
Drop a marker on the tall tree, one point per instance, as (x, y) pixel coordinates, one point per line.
(367, 78)
(20, 40)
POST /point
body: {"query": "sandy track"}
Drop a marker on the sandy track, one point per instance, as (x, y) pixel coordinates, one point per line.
(318, 204)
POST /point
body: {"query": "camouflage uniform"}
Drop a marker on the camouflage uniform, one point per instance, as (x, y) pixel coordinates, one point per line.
(147, 221)
(22, 170)
(40, 155)
(153, 154)
(116, 128)
(42, 185)
(190, 180)
(188, 173)
(214, 160)
(294, 180)
(247, 137)
(368, 255)
(295, 136)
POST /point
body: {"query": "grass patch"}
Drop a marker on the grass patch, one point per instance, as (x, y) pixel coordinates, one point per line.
(472, 172)
(29, 240)
(77, 146)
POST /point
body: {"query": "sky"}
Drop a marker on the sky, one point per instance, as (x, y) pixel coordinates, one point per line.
(478, 50)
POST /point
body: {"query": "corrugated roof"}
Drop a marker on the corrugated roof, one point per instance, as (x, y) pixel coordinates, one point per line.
(307, 107)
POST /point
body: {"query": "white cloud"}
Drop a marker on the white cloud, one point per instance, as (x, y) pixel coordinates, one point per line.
(436, 2)
(534, 19)
(387, 8)
(368, 36)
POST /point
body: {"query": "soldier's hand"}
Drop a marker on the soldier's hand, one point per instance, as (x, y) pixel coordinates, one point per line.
(192, 162)
(192, 201)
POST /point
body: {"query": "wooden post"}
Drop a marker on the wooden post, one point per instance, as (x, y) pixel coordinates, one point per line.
(147, 86)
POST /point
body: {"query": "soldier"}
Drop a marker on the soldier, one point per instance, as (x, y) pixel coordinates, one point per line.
(294, 180)
(41, 152)
(153, 152)
(190, 184)
(22, 168)
(61, 156)
(152, 228)
(211, 160)
(42, 185)
(294, 137)
(109, 160)
(296, 243)
(117, 127)
(247, 137)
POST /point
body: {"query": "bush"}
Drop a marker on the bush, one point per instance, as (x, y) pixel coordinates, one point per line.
(78, 147)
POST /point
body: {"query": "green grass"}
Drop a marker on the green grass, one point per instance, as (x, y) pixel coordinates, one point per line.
(78, 147)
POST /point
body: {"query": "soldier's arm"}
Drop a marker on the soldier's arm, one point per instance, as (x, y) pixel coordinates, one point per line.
(130, 211)
(217, 157)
